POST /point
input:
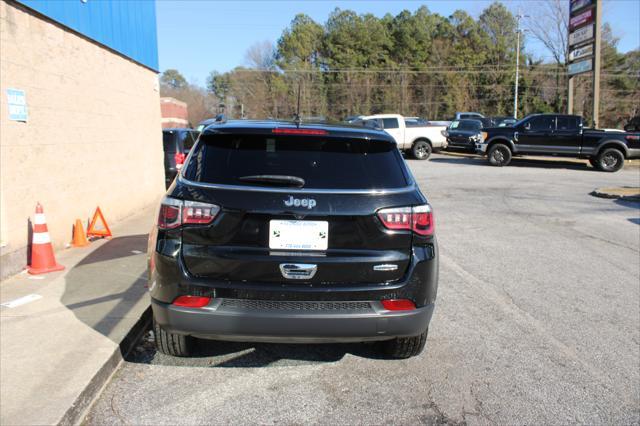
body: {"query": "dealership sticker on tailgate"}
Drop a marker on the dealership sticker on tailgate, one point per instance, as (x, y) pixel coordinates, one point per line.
(298, 234)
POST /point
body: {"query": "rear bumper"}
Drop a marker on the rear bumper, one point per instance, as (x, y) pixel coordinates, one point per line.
(233, 321)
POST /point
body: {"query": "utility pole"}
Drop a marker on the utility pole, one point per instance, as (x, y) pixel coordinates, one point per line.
(518, 31)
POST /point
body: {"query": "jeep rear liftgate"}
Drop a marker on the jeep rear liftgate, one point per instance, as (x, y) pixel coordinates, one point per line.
(287, 226)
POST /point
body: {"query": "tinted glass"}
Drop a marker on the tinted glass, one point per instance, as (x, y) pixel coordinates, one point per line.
(485, 122)
(470, 115)
(390, 123)
(470, 125)
(321, 162)
(189, 139)
(169, 139)
(567, 123)
(543, 123)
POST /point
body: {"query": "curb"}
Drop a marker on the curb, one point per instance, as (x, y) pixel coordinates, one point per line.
(78, 411)
(602, 193)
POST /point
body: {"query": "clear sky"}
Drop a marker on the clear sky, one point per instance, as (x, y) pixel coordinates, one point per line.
(197, 37)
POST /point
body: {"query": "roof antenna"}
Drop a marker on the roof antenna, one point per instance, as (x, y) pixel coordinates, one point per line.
(296, 118)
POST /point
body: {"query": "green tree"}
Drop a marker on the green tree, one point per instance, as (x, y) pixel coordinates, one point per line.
(173, 79)
(299, 46)
(219, 85)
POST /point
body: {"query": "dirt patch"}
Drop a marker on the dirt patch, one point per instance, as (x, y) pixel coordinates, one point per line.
(628, 193)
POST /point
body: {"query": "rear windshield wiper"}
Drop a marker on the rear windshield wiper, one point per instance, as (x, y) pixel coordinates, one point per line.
(275, 180)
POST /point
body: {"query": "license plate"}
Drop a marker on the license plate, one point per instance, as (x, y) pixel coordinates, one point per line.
(298, 234)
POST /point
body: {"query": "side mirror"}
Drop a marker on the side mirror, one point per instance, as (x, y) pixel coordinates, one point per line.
(527, 126)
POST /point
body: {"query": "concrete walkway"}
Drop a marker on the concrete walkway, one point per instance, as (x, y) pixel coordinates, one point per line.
(62, 336)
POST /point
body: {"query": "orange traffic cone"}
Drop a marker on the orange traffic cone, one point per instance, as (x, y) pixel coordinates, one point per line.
(79, 239)
(42, 258)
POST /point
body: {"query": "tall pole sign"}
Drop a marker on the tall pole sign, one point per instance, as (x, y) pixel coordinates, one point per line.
(596, 65)
(584, 48)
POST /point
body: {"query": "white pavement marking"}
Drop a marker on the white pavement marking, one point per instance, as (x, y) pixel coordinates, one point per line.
(136, 252)
(21, 301)
(36, 277)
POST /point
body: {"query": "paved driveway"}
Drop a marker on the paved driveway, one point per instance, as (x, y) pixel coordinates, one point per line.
(537, 321)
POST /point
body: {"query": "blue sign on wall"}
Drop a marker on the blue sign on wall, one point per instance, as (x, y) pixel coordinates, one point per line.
(128, 27)
(17, 105)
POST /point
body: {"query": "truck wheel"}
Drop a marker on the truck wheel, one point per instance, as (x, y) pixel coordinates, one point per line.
(405, 347)
(421, 150)
(170, 343)
(610, 160)
(499, 155)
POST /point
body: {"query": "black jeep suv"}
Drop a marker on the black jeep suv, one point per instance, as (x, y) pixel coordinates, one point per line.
(278, 232)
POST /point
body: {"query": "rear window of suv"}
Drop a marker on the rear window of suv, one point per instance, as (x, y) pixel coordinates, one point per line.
(323, 162)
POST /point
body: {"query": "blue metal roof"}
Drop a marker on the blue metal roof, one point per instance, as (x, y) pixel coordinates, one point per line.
(128, 27)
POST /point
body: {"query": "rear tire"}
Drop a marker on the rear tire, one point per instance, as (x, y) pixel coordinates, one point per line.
(421, 150)
(610, 160)
(405, 347)
(499, 155)
(171, 343)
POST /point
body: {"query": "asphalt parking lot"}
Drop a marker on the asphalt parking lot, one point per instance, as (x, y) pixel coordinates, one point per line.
(537, 321)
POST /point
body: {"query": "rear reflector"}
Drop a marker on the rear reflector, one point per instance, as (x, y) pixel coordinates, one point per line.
(191, 301)
(419, 219)
(398, 305)
(632, 137)
(296, 131)
(174, 213)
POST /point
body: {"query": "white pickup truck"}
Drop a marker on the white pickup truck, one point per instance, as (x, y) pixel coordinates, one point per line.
(414, 136)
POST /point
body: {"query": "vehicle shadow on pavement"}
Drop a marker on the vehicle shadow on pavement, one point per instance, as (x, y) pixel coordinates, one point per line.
(103, 289)
(211, 353)
(632, 205)
(628, 203)
(519, 162)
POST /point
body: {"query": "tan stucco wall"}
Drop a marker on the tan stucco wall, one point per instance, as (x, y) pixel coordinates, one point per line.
(93, 136)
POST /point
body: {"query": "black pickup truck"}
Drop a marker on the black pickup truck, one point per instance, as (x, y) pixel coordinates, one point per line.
(559, 135)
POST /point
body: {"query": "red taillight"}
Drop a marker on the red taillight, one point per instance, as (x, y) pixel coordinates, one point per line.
(191, 301)
(174, 213)
(399, 218)
(398, 305)
(169, 216)
(179, 157)
(632, 138)
(198, 213)
(422, 223)
(419, 219)
(287, 131)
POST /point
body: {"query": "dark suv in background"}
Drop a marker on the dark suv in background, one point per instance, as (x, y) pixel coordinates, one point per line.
(278, 232)
(176, 144)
